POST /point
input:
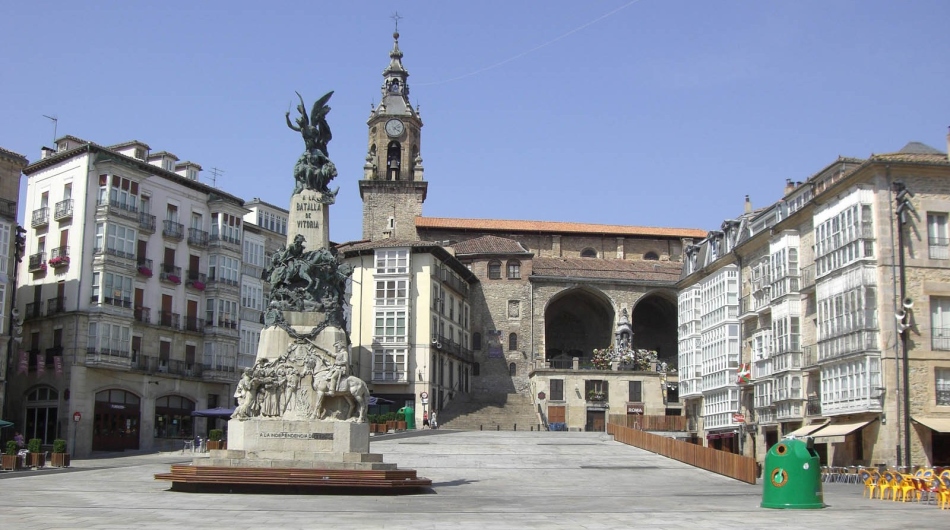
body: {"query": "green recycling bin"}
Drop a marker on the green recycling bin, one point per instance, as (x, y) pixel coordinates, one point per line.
(410, 415)
(792, 477)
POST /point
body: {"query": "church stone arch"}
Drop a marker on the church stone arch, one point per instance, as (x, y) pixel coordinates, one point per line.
(654, 325)
(576, 321)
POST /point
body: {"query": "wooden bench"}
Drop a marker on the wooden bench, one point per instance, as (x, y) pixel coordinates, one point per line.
(219, 478)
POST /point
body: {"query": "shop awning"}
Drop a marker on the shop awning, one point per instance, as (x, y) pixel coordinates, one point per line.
(806, 430)
(835, 432)
(937, 424)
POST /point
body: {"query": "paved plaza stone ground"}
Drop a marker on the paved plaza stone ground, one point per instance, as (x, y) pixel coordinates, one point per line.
(481, 480)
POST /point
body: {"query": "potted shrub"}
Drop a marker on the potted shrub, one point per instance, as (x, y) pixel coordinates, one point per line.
(60, 458)
(10, 460)
(37, 457)
(214, 439)
(400, 421)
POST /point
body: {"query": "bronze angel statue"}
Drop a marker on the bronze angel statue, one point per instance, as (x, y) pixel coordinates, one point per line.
(313, 170)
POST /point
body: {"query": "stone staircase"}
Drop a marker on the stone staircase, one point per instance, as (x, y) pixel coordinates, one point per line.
(490, 412)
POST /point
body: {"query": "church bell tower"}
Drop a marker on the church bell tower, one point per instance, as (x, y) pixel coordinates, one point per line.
(393, 188)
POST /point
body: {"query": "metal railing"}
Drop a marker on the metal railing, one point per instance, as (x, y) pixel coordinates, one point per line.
(146, 223)
(144, 267)
(197, 237)
(37, 262)
(940, 338)
(143, 314)
(173, 230)
(8, 209)
(63, 209)
(33, 310)
(169, 320)
(56, 305)
(170, 273)
(196, 280)
(194, 324)
(40, 216)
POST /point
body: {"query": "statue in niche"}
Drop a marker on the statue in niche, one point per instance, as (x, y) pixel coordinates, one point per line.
(314, 170)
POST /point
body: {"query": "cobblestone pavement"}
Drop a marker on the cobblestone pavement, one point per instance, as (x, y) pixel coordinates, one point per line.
(481, 480)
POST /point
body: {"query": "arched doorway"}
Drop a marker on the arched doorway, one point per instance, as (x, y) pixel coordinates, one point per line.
(42, 407)
(654, 326)
(173, 417)
(575, 322)
(117, 419)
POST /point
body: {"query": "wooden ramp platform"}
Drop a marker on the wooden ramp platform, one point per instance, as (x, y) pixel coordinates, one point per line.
(211, 479)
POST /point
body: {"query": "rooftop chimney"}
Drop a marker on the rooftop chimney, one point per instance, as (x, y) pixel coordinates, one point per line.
(789, 186)
(748, 205)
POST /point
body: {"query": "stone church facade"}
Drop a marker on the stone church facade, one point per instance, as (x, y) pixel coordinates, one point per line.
(538, 296)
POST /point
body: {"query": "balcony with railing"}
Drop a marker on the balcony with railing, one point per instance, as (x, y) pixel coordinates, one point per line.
(33, 310)
(37, 262)
(111, 251)
(215, 279)
(153, 364)
(939, 247)
(445, 275)
(59, 257)
(108, 358)
(222, 370)
(63, 210)
(219, 241)
(56, 305)
(173, 230)
(8, 209)
(146, 223)
(170, 274)
(196, 280)
(197, 238)
(813, 407)
(168, 319)
(809, 356)
(194, 324)
(40, 217)
(143, 315)
(128, 210)
(144, 268)
(449, 346)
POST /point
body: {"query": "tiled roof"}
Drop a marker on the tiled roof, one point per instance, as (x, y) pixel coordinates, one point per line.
(355, 246)
(915, 153)
(14, 155)
(489, 245)
(555, 227)
(609, 269)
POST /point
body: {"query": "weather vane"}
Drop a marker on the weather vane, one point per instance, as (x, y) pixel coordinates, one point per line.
(395, 16)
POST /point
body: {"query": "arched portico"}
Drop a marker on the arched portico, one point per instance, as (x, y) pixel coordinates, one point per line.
(654, 325)
(576, 321)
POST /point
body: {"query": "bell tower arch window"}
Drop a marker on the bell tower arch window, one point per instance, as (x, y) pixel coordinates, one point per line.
(393, 160)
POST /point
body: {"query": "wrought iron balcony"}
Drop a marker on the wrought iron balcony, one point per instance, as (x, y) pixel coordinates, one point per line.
(63, 210)
(170, 274)
(194, 324)
(215, 279)
(122, 209)
(196, 280)
(59, 257)
(144, 268)
(173, 230)
(146, 223)
(40, 217)
(169, 319)
(55, 305)
(37, 262)
(33, 310)
(197, 238)
(143, 315)
(217, 240)
(813, 407)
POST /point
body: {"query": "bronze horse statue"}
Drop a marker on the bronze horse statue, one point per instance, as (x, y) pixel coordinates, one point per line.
(352, 389)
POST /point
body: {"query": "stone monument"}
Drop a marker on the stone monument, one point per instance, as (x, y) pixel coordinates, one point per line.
(299, 407)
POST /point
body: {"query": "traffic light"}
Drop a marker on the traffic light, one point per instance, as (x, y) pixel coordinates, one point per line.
(19, 243)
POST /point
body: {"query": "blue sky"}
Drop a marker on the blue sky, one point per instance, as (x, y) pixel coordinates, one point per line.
(656, 113)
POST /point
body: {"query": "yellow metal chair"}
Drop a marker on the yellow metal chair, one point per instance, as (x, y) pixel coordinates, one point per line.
(870, 484)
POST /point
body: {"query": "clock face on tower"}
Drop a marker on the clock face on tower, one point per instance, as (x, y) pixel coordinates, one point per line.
(394, 127)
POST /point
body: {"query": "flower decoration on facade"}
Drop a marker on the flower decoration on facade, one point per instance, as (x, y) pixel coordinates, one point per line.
(59, 261)
(174, 279)
(198, 285)
(629, 359)
(145, 271)
(42, 267)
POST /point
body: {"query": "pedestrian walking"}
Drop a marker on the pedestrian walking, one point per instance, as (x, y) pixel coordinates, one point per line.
(425, 420)
(432, 421)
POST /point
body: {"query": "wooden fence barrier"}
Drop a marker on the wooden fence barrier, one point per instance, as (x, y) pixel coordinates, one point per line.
(728, 464)
(650, 422)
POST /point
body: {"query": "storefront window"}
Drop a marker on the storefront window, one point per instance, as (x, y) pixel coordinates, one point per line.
(173, 417)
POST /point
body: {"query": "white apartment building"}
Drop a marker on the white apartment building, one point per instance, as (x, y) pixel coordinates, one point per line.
(130, 297)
